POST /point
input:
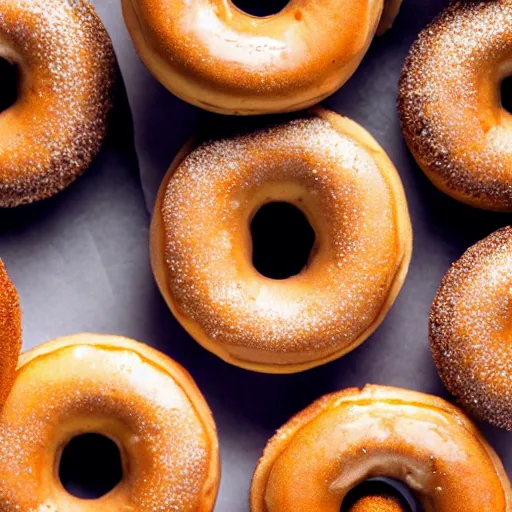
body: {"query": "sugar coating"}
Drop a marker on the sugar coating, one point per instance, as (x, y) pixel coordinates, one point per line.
(449, 101)
(67, 66)
(116, 393)
(207, 208)
(10, 332)
(470, 325)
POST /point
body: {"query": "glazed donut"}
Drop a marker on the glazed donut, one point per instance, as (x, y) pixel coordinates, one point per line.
(449, 102)
(470, 323)
(348, 437)
(10, 332)
(340, 178)
(140, 399)
(213, 55)
(66, 68)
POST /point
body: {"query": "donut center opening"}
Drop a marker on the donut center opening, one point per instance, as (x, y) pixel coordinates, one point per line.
(506, 94)
(395, 496)
(261, 8)
(90, 466)
(9, 80)
(282, 240)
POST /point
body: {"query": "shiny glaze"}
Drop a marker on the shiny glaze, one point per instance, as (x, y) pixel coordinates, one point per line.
(201, 247)
(211, 54)
(345, 438)
(145, 402)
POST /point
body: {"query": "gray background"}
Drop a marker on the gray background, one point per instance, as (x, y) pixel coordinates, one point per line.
(80, 260)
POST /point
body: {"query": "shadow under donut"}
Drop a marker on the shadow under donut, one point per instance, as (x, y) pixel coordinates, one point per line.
(70, 255)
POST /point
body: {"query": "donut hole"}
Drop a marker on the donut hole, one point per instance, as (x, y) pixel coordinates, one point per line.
(381, 487)
(90, 466)
(9, 79)
(506, 94)
(282, 240)
(261, 8)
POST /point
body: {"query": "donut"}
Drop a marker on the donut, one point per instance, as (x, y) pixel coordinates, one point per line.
(333, 171)
(470, 323)
(376, 496)
(66, 69)
(215, 56)
(140, 399)
(10, 332)
(391, 10)
(377, 504)
(450, 105)
(347, 437)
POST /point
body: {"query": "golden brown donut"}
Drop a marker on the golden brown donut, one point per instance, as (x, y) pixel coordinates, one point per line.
(10, 332)
(450, 106)
(139, 398)
(348, 437)
(377, 504)
(470, 325)
(213, 55)
(66, 70)
(391, 10)
(201, 247)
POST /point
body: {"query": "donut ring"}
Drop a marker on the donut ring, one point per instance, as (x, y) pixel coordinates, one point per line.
(348, 437)
(336, 173)
(470, 323)
(10, 332)
(449, 102)
(145, 402)
(213, 55)
(67, 67)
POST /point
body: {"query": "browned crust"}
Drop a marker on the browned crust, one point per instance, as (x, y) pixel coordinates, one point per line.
(449, 104)
(164, 364)
(65, 96)
(10, 332)
(279, 442)
(236, 68)
(159, 265)
(377, 504)
(474, 360)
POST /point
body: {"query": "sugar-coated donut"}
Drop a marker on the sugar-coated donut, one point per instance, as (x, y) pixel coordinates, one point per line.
(470, 324)
(340, 178)
(213, 55)
(66, 70)
(348, 437)
(140, 399)
(450, 107)
(10, 332)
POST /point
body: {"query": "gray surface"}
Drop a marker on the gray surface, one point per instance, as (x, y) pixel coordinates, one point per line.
(80, 260)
